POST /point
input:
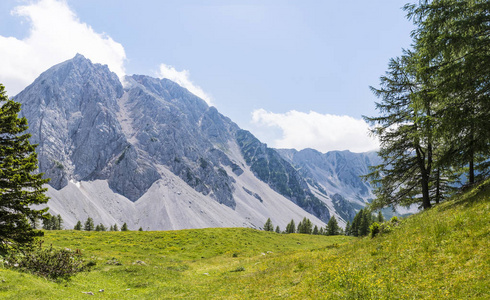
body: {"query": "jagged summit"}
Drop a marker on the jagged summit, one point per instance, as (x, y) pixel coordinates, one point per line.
(150, 149)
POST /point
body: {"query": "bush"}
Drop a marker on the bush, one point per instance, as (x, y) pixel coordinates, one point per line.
(374, 229)
(48, 262)
(386, 227)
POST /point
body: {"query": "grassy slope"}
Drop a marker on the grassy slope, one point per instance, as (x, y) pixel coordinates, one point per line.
(438, 254)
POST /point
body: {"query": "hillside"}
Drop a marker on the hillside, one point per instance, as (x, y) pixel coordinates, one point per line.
(437, 254)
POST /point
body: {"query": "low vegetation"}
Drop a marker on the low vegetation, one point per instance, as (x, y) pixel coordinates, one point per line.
(441, 253)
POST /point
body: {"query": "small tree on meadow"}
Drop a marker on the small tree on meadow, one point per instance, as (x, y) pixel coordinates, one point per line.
(89, 224)
(315, 230)
(78, 226)
(305, 226)
(291, 227)
(333, 227)
(124, 227)
(278, 230)
(268, 225)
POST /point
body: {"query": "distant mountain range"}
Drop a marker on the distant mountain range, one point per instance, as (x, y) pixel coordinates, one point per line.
(153, 155)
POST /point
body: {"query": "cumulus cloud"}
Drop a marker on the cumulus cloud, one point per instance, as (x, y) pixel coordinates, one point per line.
(55, 35)
(182, 79)
(323, 132)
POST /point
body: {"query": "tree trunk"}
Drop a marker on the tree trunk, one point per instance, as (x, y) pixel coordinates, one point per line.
(425, 191)
(472, 170)
(438, 185)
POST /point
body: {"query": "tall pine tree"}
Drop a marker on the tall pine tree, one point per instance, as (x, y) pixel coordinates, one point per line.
(20, 186)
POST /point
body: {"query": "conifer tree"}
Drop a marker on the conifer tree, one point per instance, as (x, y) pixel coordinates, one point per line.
(453, 44)
(78, 226)
(59, 222)
(89, 224)
(140, 229)
(278, 230)
(305, 226)
(268, 225)
(20, 187)
(321, 231)
(100, 227)
(315, 230)
(380, 218)
(406, 132)
(332, 227)
(115, 228)
(291, 227)
(124, 227)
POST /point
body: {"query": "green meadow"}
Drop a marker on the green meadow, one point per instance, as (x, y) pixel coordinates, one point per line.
(442, 253)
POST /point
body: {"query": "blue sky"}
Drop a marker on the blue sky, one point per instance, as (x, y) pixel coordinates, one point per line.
(295, 73)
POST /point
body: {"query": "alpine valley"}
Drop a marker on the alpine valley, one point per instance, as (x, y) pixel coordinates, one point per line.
(147, 152)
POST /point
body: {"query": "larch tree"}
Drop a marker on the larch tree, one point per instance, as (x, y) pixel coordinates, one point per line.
(20, 185)
(452, 40)
(405, 131)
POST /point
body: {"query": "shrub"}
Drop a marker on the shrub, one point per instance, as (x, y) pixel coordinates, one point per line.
(374, 229)
(48, 262)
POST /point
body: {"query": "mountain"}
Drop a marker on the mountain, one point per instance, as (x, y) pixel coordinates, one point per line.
(151, 154)
(335, 177)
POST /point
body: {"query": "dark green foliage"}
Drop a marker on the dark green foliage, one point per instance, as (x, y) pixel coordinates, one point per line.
(115, 228)
(78, 226)
(140, 229)
(435, 107)
(305, 226)
(333, 227)
(315, 230)
(381, 228)
(49, 262)
(271, 168)
(278, 230)
(89, 224)
(20, 187)
(360, 224)
(380, 218)
(124, 227)
(100, 227)
(268, 225)
(405, 131)
(321, 231)
(453, 47)
(374, 229)
(291, 227)
(53, 223)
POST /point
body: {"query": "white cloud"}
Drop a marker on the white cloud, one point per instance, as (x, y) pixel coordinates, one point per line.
(322, 132)
(182, 78)
(55, 35)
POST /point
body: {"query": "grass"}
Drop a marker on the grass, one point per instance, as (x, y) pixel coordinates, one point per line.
(442, 253)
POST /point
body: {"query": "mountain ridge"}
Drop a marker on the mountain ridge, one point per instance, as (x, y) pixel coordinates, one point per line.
(101, 137)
